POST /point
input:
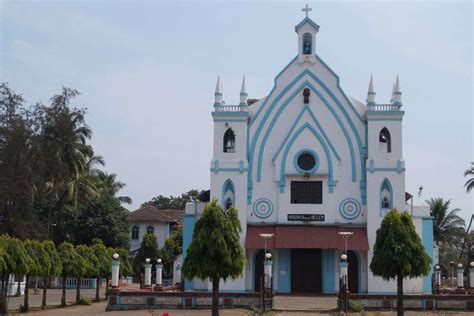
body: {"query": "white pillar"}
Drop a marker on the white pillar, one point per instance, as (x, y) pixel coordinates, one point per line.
(267, 270)
(178, 272)
(471, 276)
(115, 272)
(159, 271)
(460, 277)
(147, 274)
(438, 277)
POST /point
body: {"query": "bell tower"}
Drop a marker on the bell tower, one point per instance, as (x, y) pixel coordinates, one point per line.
(385, 166)
(307, 30)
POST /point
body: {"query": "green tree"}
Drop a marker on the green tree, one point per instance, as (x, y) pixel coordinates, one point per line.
(103, 218)
(103, 264)
(17, 262)
(148, 249)
(39, 266)
(399, 252)
(215, 251)
(17, 154)
(172, 248)
(55, 268)
(446, 223)
(110, 186)
(90, 268)
(470, 181)
(73, 265)
(178, 202)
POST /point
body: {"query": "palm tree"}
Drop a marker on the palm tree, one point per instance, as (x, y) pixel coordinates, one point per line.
(110, 186)
(446, 223)
(470, 182)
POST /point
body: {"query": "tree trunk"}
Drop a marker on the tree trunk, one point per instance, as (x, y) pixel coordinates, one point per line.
(63, 297)
(215, 297)
(97, 287)
(106, 286)
(18, 289)
(45, 287)
(3, 309)
(25, 302)
(78, 290)
(399, 295)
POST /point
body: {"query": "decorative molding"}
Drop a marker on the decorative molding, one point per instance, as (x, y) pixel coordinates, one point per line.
(312, 153)
(385, 185)
(350, 208)
(221, 120)
(306, 83)
(228, 186)
(263, 208)
(282, 181)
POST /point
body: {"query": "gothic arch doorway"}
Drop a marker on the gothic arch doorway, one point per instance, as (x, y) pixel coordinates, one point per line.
(353, 271)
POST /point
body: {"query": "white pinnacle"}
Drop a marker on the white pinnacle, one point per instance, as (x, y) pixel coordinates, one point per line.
(242, 90)
(218, 85)
(371, 84)
(397, 85)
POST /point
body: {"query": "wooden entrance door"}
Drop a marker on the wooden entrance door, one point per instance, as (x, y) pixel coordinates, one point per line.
(306, 271)
(353, 272)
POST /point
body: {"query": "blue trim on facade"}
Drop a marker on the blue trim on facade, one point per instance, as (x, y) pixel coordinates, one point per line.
(282, 181)
(264, 212)
(312, 153)
(239, 170)
(329, 92)
(329, 271)
(350, 208)
(427, 237)
(297, 91)
(229, 120)
(385, 185)
(226, 113)
(306, 107)
(284, 265)
(189, 221)
(384, 119)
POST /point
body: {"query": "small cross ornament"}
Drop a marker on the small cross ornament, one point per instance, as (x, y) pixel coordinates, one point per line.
(306, 10)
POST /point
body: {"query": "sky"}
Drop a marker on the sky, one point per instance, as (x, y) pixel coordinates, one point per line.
(147, 71)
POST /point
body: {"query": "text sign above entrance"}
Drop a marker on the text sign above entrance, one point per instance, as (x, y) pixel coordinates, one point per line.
(306, 217)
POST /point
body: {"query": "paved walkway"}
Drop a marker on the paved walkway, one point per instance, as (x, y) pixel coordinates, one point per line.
(305, 303)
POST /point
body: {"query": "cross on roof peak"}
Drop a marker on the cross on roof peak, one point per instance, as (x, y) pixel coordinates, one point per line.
(306, 10)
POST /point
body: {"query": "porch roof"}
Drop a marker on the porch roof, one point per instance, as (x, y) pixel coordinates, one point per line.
(306, 236)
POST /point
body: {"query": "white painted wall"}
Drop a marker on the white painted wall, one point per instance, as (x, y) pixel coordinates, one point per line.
(162, 231)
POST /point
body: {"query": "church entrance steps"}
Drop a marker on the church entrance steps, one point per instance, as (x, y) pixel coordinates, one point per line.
(305, 303)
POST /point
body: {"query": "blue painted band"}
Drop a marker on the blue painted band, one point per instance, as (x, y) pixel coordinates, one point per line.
(230, 120)
(226, 113)
(239, 170)
(263, 208)
(384, 119)
(297, 91)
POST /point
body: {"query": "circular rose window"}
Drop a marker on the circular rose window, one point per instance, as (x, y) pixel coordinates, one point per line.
(306, 161)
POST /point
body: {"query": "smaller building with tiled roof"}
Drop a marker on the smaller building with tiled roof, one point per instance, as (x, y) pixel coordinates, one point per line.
(151, 219)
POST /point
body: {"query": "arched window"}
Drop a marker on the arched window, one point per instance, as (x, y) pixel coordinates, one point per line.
(307, 44)
(150, 229)
(229, 141)
(385, 141)
(228, 194)
(135, 231)
(386, 196)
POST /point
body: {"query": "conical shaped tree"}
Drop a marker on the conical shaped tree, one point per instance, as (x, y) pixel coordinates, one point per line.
(215, 251)
(55, 268)
(399, 252)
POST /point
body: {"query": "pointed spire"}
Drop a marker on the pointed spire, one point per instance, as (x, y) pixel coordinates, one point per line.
(243, 94)
(218, 94)
(371, 92)
(396, 93)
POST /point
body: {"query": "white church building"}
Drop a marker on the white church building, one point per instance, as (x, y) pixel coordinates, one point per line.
(305, 163)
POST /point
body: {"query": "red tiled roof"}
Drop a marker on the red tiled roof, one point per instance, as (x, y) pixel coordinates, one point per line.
(149, 213)
(306, 236)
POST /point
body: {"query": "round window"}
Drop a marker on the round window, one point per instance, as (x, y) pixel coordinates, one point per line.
(306, 161)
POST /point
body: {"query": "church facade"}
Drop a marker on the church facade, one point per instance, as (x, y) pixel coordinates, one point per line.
(305, 166)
